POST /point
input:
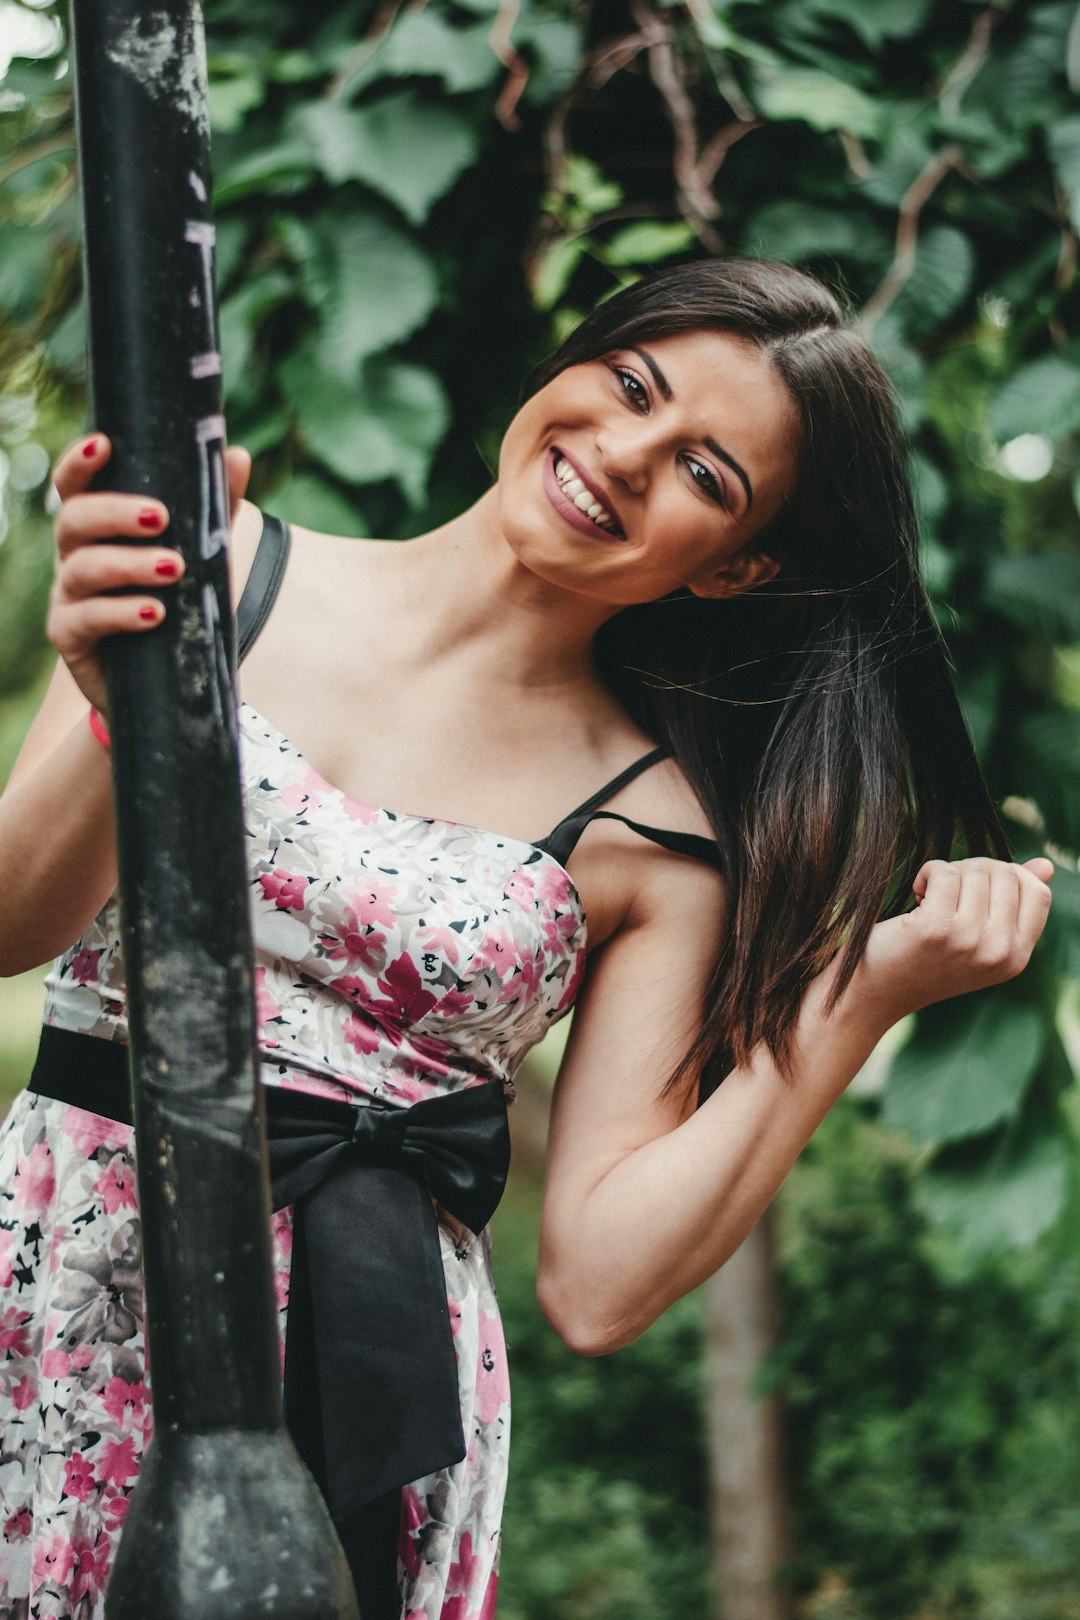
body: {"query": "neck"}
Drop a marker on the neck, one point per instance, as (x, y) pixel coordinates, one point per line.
(466, 587)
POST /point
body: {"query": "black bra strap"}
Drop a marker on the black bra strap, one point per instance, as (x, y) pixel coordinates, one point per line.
(702, 849)
(263, 583)
(562, 842)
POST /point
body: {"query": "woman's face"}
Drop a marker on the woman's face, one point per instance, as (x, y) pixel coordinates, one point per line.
(681, 449)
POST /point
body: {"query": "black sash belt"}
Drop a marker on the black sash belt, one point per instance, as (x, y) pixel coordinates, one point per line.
(371, 1390)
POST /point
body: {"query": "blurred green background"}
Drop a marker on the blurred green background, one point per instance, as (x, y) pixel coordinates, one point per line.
(414, 202)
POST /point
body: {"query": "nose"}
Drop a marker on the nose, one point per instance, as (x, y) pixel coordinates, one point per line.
(628, 453)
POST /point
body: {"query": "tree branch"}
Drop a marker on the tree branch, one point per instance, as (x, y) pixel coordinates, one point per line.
(517, 68)
(912, 204)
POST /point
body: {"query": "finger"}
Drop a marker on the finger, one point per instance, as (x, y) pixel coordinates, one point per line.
(93, 570)
(75, 629)
(106, 516)
(1035, 899)
(1004, 907)
(973, 902)
(79, 462)
(1041, 867)
(238, 465)
(937, 888)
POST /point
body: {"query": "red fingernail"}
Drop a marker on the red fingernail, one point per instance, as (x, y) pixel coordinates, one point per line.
(166, 568)
(149, 519)
(148, 612)
(90, 449)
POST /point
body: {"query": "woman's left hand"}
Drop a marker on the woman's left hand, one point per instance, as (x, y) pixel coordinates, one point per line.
(976, 924)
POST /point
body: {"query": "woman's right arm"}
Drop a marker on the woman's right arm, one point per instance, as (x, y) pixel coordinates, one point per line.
(57, 838)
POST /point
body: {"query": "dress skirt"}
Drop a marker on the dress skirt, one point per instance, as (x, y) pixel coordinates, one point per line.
(75, 1413)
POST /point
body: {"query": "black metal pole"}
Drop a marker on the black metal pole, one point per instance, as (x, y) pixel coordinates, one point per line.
(225, 1522)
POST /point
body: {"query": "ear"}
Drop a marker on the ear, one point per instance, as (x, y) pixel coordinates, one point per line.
(737, 576)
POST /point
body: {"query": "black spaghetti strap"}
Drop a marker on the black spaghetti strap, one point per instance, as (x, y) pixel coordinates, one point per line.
(563, 840)
(263, 583)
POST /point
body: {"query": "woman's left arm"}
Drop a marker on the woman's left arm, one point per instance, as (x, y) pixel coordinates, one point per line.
(646, 1197)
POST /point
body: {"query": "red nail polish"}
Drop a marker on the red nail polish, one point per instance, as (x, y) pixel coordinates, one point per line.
(148, 612)
(90, 449)
(166, 568)
(149, 519)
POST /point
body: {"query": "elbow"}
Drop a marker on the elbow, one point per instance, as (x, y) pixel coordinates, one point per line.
(580, 1321)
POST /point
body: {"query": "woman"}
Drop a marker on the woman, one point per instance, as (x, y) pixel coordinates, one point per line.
(695, 582)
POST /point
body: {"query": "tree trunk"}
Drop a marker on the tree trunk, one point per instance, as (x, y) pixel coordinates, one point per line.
(750, 1533)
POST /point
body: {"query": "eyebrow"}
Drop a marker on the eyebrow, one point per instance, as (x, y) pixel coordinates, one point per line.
(664, 388)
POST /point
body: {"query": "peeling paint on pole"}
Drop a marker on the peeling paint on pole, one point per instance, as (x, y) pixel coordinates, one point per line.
(224, 1522)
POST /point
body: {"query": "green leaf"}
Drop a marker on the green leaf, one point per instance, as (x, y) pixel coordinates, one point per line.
(817, 99)
(794, 232)
(1039, 594)
(1042, 397)
(648, 241)
(388, 428)
(309, 500)
(230, 99)
(1002, 1193)
(370, 284)
(243, 313)
(876, 21)
(965, 1068)
(408, 149)
(278, 170)
(555, 269)
(1045, 760)
(1063, 139)
(422, 44)
(940, 282)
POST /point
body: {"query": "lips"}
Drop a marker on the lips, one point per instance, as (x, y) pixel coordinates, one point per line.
(579, 498)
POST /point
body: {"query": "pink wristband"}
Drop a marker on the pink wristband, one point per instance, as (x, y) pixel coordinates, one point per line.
(99, 728)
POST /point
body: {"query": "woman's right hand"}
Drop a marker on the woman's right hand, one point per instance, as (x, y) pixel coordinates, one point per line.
(91, 560)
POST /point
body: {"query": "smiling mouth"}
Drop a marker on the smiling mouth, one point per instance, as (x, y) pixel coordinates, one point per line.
(578, 493)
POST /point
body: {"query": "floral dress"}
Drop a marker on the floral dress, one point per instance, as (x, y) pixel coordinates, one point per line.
(398, 958)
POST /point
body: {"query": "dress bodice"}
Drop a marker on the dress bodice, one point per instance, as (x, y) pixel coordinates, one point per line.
(397, 956)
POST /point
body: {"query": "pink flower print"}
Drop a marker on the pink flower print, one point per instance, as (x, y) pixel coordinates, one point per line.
(521, 889)
(115, 1509)
(118, 1462)
(19, 1526)
(454, 1001)
(413, 1515)
(360, 1035)
(354, 942)
(296, 796)
(266, 1007)
(282, 1229)
(572, 984)
(407, 999)
(35, 1183)
(499, 951)
(524, 981)
(53, 1560)
(552, 883)
(91, 1566)
(84, 965)
(462, 1577)
(116, 1185)
(55, 1364)
(559, 930)
(82, 1356)
(492, 1374)
(487, 1608)
(8, 1242)
(124, 1402)
(285, 889)
(441, 939)
(374, 903)
(14, 1334)
(79, 1478)
(24, 1393)
(91, 1131)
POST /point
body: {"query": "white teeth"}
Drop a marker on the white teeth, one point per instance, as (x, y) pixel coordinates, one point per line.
(593, 511)
(584, 500)
(574, 487)
(563, 470)
(582, 497)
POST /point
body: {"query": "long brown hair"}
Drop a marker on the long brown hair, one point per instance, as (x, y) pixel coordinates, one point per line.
(815, 715)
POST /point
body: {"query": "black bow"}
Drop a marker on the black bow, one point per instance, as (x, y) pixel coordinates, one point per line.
(371, 1390)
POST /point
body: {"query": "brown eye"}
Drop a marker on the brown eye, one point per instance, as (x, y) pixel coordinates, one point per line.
(706, 480)
(633, 388)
